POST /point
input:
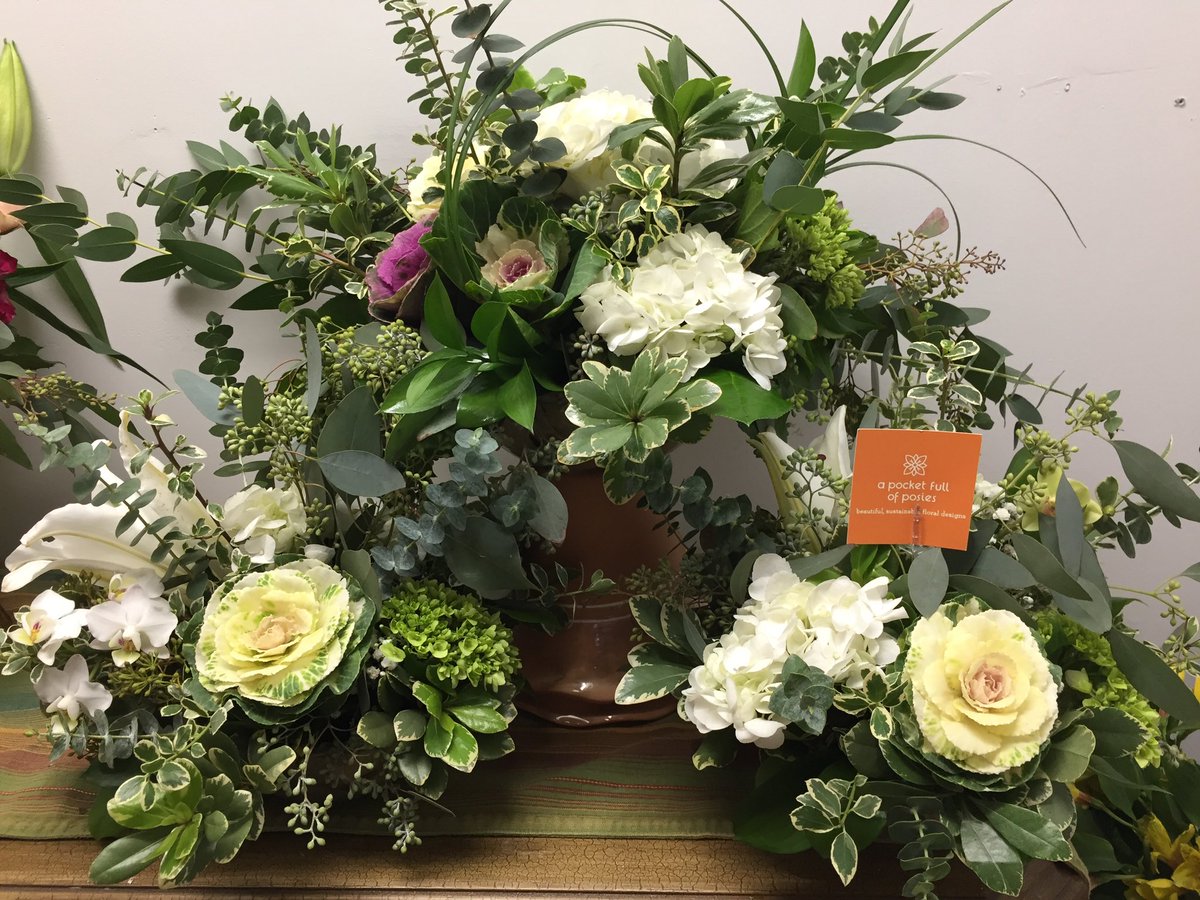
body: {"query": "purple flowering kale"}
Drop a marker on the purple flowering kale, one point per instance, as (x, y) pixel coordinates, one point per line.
(398, 271)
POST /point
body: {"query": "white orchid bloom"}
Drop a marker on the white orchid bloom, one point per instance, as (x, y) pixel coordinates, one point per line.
(50, 619)
(145, 580)
(801, 489)
(76, 538)
(71, 690)
(131, 626)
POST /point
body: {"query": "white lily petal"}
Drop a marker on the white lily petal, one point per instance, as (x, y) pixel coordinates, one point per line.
(75, 538)
(835, 445)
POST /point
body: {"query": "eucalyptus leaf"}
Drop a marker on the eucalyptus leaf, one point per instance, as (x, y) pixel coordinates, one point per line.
(360, 474)
(1149, 673)
(1153, 478)
(204, 396)
(928, 579)
(486, 558)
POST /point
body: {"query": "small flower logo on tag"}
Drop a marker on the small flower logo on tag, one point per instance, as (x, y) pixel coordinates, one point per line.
(915, 463)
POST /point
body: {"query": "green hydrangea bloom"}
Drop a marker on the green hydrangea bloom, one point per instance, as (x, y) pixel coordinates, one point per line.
(462, 641)
(819, 250)
(1105, 685)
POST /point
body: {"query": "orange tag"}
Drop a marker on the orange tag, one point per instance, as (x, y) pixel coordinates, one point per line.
(913, 487)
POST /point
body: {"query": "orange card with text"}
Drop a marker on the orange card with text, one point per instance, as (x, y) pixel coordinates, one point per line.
(913, 487)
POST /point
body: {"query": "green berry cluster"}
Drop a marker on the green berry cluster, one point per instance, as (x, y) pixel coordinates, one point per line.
(285, 425)
(452, 632)
(378, 362)
(57, 391)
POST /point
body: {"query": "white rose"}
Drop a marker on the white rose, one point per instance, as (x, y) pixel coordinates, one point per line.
(427, 177)
(264, 521)
(981, 688)
(584, 124)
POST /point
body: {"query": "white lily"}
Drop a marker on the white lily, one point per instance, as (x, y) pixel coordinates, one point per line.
(801, 489)
(50, 619)
(154, 477)
(131, 626)
(78, 537)
(71, 690)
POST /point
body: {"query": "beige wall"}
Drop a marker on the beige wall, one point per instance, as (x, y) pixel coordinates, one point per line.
(1101, 98)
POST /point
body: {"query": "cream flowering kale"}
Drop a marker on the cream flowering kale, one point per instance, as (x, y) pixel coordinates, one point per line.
(692, 298)
(835, 627)
(281, 638)
(981, 688)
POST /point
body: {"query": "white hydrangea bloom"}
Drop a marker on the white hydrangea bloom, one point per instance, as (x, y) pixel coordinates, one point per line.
(836, 626)
(692, 298)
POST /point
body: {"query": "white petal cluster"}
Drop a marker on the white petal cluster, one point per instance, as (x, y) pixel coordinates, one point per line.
(836, 626)
(427, 177)
(985, 505)
(134, 620)
(50, 619)
(801, 489)
(70, 690)
(584, 124)
(264, 521)
(691, 297)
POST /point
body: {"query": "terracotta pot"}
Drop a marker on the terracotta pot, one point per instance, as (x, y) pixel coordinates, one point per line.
(572, 676)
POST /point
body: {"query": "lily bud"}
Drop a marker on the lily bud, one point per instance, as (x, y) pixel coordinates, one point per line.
(16, 116)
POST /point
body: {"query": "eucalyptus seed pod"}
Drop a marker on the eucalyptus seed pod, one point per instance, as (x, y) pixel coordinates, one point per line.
(16, 117)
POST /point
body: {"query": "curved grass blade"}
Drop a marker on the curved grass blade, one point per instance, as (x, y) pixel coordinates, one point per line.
(919, 174)
(1008, 156)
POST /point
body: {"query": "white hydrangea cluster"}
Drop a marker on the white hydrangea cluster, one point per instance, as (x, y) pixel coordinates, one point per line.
(985, 505)
(691, 297)
(836, 626)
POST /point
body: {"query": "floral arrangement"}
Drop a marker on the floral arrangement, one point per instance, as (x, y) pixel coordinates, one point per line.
(575, 277)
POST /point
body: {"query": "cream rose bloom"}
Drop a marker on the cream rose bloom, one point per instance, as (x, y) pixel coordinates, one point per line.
(265, 521)
(584, 124)
(982, 690)
(273, 637)
(428, 176)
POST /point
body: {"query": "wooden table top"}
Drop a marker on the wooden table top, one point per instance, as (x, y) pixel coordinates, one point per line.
(485, 867)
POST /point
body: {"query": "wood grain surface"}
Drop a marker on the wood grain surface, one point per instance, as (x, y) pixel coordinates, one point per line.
(279, 866)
